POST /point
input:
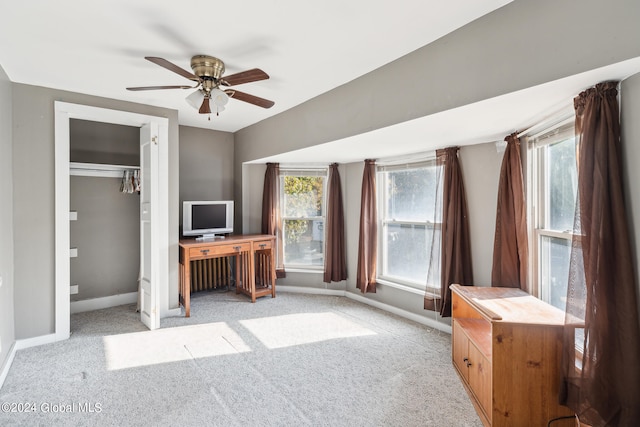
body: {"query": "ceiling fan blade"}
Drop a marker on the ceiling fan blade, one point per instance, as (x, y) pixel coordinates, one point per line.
(205, 108)
(172, 67)
(248, 76)
(251, 99)
(159, 87)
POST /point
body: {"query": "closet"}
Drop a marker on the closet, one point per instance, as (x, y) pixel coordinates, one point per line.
(105, 214)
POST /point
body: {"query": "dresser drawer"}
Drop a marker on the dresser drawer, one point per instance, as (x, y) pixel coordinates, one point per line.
(218, 250)
(262, 244)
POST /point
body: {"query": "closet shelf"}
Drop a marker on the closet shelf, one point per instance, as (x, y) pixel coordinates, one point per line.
(98, 169)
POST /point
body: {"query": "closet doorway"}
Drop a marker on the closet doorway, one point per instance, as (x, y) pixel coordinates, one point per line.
(105, 216)
(153, 209)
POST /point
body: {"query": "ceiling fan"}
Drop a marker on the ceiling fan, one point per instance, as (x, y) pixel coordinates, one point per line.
(208, 74)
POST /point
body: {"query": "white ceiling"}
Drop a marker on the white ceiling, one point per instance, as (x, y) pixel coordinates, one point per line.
(98, 47)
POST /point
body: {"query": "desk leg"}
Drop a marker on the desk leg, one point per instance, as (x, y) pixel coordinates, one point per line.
(252, 274)
(272, 266)
(186, 288)
(238, 277)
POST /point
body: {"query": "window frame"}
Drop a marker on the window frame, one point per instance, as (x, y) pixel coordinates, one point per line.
(538, 143)
(310, 172)
(381, 189)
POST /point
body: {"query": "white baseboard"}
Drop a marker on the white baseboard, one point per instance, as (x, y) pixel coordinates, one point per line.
(172, 312)
(104, 302)
(35, 341)
(432, 323)
(22, 344)
(314, 291)
(7, 364)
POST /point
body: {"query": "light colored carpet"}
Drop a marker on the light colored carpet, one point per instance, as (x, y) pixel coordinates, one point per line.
(290, 361)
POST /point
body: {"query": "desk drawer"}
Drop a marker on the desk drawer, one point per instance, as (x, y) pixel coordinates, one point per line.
(262, 244)
(218, 250)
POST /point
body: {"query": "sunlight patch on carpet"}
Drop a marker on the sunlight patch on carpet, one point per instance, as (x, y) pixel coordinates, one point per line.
(171, 345)
(303, 328)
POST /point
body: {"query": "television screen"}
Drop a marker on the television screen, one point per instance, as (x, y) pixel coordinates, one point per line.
(208, 216)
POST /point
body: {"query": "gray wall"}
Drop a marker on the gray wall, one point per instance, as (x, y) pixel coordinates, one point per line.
(481, 60)
(206, 165)
(481, 172)
(33, 202)
(7, 331)
(107, 235)
(630, 112)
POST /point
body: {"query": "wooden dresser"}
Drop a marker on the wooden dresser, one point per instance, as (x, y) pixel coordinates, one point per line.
(506, 347)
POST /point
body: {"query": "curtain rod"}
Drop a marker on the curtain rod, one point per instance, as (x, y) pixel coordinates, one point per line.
(558, 115)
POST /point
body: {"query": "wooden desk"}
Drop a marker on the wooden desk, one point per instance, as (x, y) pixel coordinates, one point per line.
(255, 267)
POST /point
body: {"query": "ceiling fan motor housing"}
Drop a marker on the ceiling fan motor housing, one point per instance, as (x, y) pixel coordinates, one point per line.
(207, 67)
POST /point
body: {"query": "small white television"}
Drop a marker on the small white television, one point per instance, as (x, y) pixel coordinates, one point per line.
(207, 218)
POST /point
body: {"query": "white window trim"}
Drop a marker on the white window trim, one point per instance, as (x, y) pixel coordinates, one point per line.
(426, 160)
(300, 170)
(536, 180)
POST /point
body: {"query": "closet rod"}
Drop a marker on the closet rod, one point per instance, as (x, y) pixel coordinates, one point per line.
(99, 170)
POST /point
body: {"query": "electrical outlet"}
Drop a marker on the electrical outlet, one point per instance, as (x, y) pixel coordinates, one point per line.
(73, 289)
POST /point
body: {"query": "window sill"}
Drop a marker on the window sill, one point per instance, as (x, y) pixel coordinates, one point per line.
(401, 287)
(302, 270)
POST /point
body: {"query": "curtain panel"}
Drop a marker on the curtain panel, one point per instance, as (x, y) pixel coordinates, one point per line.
(335, 266)
(368, 241)
(271, 218)
(601, 373)
(511, 245)
(455, 253)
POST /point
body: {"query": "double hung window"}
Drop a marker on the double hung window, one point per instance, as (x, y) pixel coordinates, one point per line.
(302, 204)
(555, 181)
(409, 224)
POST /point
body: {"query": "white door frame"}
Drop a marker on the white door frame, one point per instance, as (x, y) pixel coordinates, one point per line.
(63, 113)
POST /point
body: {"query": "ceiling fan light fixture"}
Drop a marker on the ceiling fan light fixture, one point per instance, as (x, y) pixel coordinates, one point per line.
(195, 99)
(219, 98)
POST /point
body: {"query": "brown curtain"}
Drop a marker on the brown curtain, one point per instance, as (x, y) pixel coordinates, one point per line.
(335, 266)
(368, 242)
(456, 247)
(271, 219)
(510, 247)
(601, 372)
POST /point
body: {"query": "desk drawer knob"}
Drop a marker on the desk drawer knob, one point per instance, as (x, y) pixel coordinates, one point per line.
(237, 248)
(204, 251)
(262, 245)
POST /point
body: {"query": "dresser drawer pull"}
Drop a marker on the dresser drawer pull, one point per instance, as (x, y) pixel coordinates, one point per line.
(204, 251)
(237, 248)
(262, 245)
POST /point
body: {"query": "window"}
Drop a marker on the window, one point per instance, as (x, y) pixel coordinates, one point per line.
(302, 195)
(409, 223)
(555, 184)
